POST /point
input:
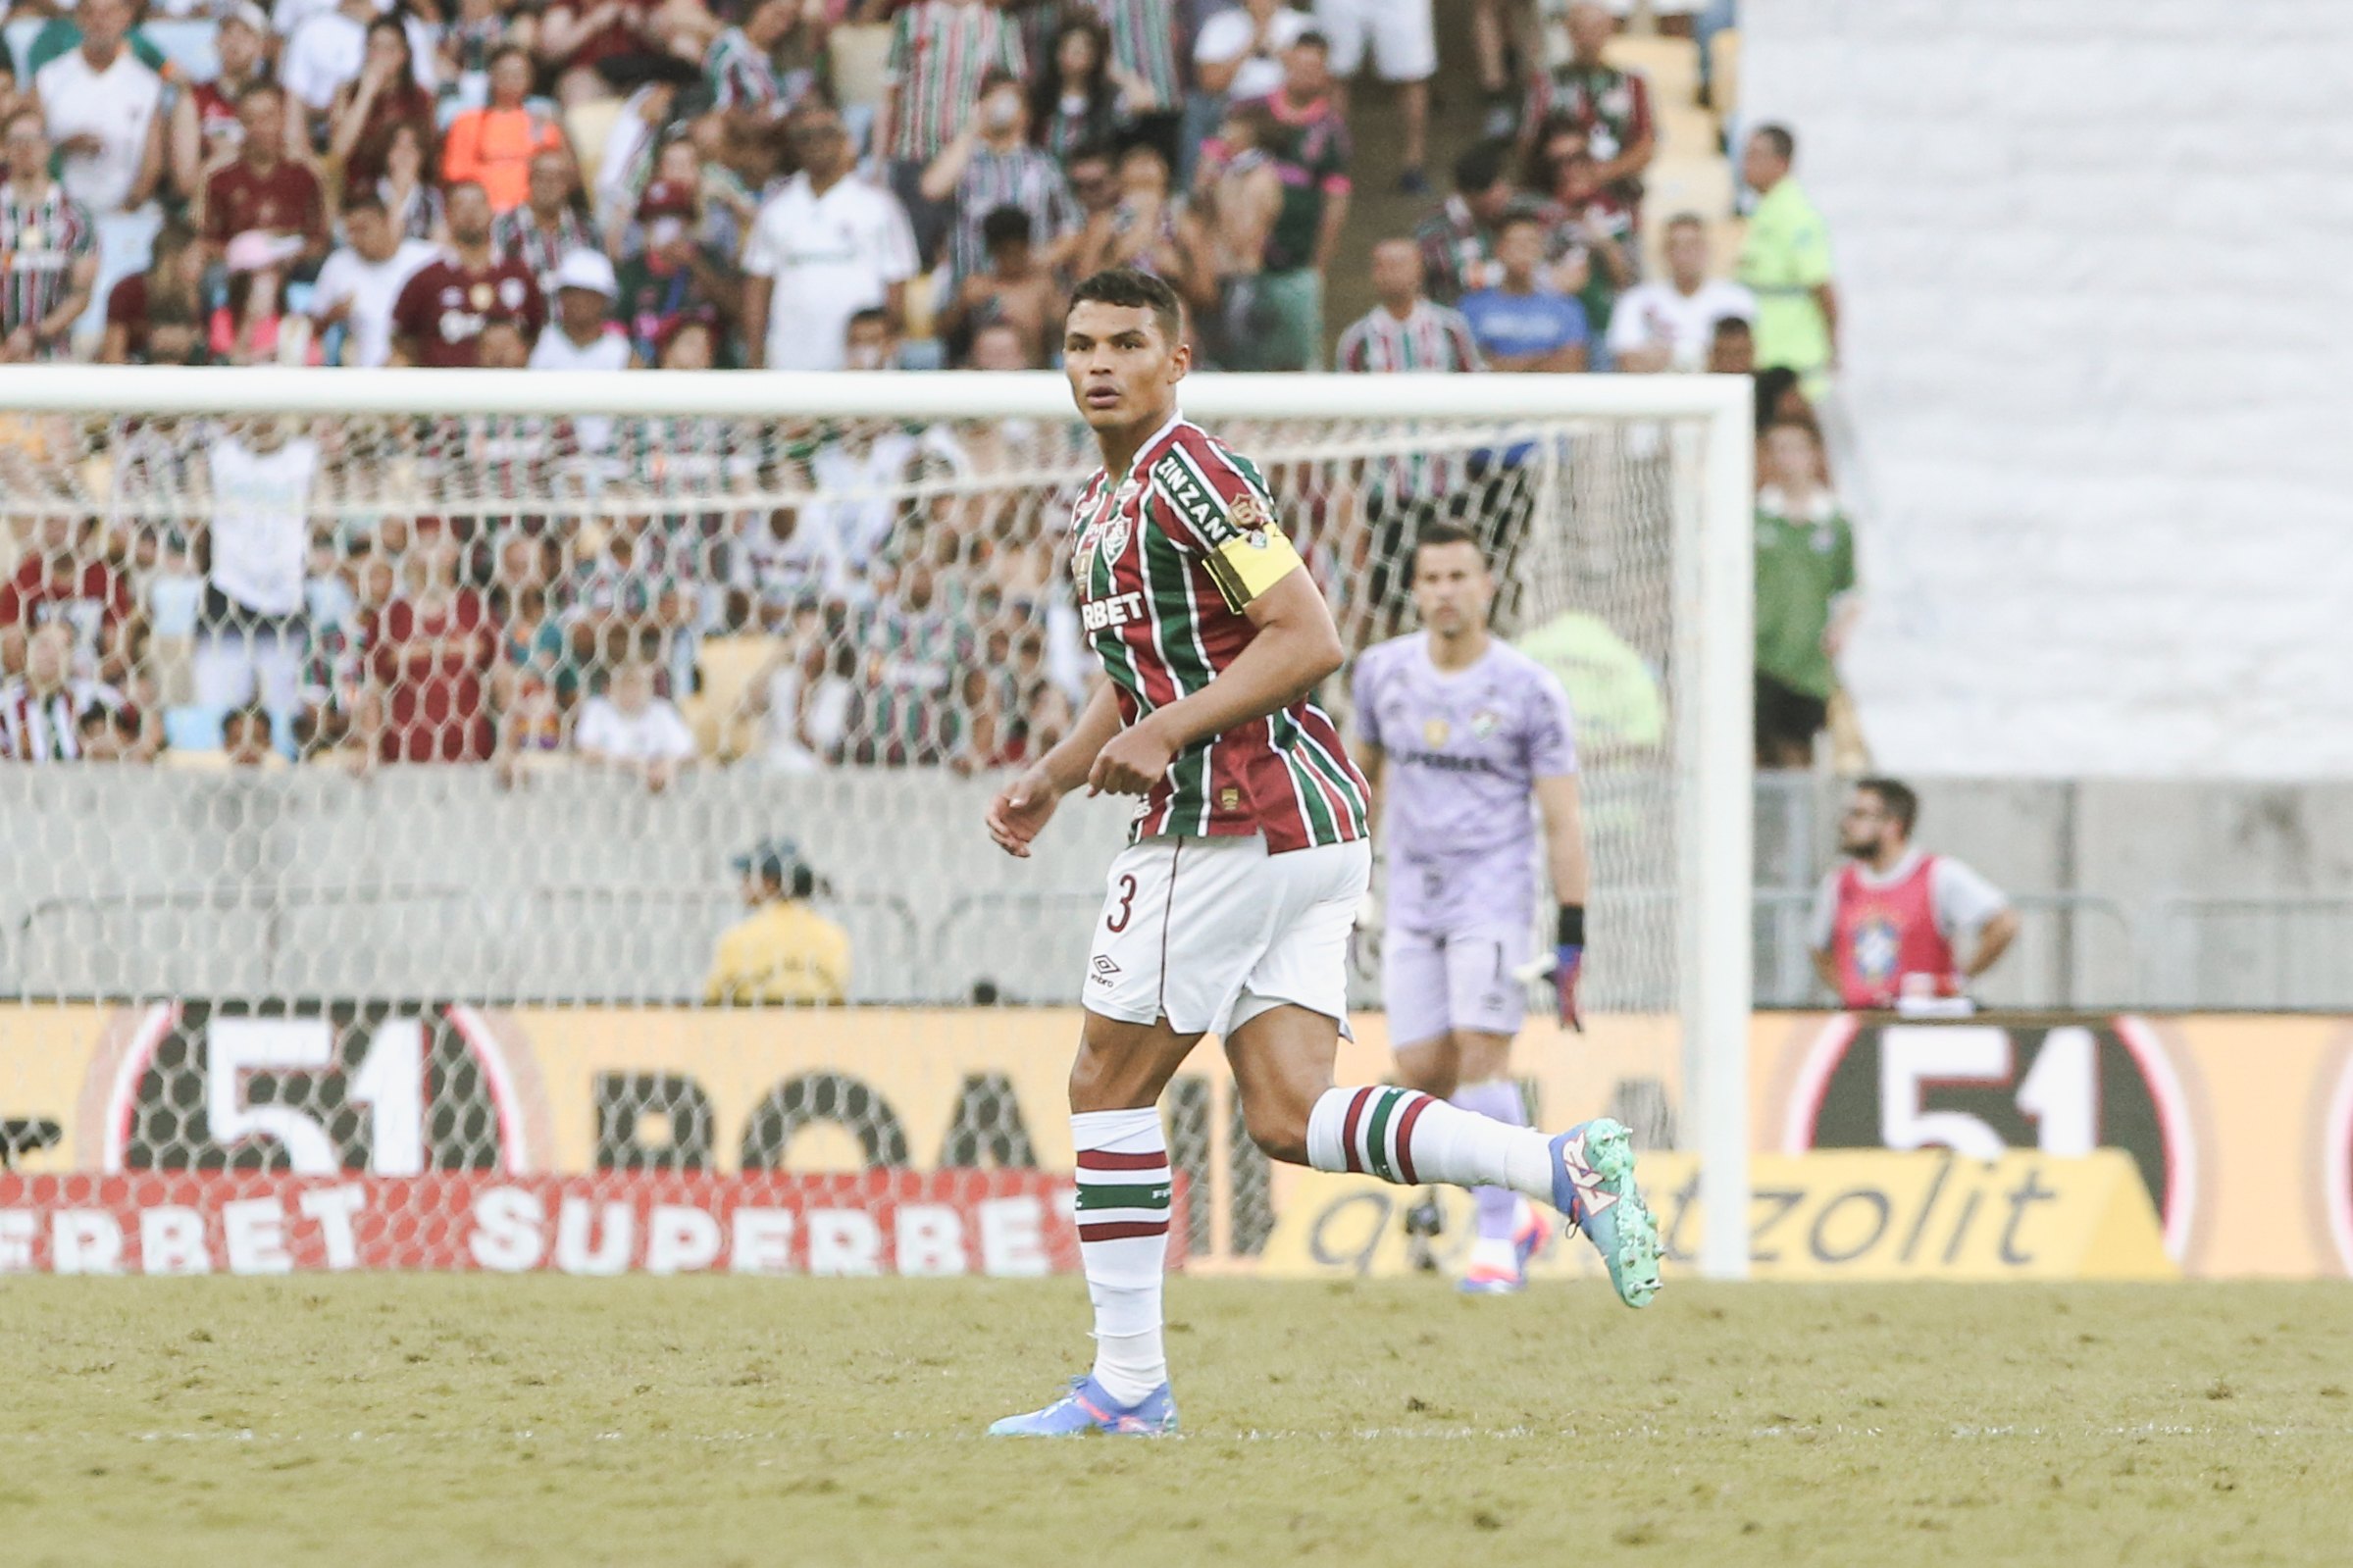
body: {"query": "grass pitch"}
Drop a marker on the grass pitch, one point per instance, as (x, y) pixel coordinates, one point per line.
(546, 1421)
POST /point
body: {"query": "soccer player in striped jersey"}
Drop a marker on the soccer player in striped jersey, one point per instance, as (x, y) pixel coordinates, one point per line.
(1459, 733)
(1229, 911)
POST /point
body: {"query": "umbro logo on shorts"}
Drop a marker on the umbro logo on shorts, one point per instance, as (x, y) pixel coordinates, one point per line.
(1104, 969)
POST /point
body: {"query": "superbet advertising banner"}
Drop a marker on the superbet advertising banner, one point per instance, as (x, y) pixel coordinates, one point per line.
(252, 1222)
(424, 1134)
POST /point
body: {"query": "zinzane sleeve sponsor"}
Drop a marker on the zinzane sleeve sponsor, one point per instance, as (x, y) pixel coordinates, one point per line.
(1215, 505)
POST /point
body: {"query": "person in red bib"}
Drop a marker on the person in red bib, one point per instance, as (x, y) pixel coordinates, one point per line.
(1893, 920)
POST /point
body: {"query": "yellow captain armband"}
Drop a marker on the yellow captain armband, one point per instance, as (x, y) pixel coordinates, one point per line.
(1254, 560)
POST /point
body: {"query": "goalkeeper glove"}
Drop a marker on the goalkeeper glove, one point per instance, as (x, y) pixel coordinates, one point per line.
(1568, 961)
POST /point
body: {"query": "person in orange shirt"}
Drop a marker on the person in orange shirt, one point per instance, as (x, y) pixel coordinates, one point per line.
(494, 146)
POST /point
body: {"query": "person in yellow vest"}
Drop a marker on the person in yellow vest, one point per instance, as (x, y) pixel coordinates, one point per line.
(784, 951)
(1785, 262)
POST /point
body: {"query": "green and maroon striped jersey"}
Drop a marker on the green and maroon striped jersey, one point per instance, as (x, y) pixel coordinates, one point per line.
(1167, 559)
(940, 49)
(41, 237)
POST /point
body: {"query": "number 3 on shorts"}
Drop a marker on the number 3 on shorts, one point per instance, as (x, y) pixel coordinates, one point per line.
(1127, 900)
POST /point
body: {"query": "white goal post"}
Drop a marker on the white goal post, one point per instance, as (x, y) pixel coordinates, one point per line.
(83, 442)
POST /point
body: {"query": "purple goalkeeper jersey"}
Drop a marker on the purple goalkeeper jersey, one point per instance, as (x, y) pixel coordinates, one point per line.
(1463, 752)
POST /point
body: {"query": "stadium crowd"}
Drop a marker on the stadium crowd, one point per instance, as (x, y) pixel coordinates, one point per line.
(801, 184)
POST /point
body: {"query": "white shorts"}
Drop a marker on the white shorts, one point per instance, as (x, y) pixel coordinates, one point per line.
(1211, 932)
(1433, 983)
(1405, 44)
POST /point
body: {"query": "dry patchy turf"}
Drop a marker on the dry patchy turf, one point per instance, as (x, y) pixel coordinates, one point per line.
(398, 1420)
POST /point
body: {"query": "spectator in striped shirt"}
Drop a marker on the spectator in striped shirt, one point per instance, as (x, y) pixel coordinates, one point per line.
(1148, 48)
(1406, 331)
(990, 164)
(1458, 240)
(550, 222)
(1613, 107)
(40, 710)
(940, 52)
(51, 245)
(739, 69)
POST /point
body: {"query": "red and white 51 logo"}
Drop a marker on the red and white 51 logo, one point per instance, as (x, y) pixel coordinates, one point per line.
(2063, 1087)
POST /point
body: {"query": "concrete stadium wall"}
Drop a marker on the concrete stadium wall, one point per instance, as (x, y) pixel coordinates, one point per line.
(438, 883)
(2094, 262)
(2135, 892)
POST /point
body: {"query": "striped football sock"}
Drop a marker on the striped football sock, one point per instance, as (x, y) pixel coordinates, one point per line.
(1124, 1185)
(1498, 1099)
(1405, 1136)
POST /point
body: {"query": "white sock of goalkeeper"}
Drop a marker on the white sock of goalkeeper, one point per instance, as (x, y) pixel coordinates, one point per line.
(1403, 1135)
(1498, 1099)
(1123, 1240)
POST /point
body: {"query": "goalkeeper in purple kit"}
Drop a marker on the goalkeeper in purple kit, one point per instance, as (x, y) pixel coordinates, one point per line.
(1459, 733)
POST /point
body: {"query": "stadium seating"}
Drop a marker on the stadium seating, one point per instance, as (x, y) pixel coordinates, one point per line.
(1723, 74)
(1672, 64)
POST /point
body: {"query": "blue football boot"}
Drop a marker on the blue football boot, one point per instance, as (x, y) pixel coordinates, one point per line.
(1086, 1409)
(1593, 1184)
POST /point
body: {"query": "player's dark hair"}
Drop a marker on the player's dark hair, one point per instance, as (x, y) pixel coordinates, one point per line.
(801, 879)
(1132, 289)
(1442, 533)
(1481, 166)
(1898, 799)
(1732, 327)
(1778, 138)
(251, 713)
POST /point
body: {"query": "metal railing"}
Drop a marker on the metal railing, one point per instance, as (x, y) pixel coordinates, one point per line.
(554, 943)
(2283, 951)
(2072, 950)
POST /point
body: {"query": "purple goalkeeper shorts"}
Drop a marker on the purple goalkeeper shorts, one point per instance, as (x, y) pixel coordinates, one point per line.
(1434, 982)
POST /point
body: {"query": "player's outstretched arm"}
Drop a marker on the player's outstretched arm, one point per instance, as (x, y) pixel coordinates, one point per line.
(1295, 647)
(1023, 806)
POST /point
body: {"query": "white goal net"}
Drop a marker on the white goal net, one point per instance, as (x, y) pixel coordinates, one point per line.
(390, 752)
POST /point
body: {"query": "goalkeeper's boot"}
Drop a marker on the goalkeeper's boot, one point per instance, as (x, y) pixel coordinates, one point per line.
(1087, 1410)
(1487, 1275)
(1529, 1231)
(1593, 1184)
